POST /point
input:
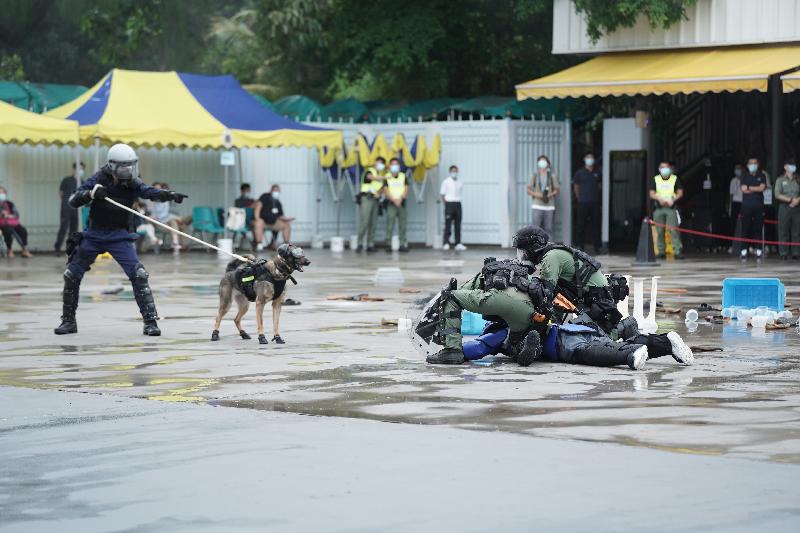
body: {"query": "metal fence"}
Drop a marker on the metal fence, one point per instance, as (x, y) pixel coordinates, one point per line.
(495, 157)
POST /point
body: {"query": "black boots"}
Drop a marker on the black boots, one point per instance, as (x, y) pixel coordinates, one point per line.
(530, 349)
(609, 353)
(144, 299)
(69, 296)
(447, 356)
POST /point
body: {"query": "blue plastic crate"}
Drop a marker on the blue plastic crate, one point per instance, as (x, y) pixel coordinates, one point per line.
(753, 292)
(472, 323)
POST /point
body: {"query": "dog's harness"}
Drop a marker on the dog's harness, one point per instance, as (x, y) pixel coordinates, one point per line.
(247, 275)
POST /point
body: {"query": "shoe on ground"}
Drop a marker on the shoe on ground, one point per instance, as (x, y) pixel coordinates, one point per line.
(531, 349)
(637, 359)
(405, 248)
(370, 249)
(67, 326)
(11, 254)
(460, 247)
(796, 258)
(446, 246)
(260, 247)
(759, 253)
(661, 256)
(743, 254)
(359, 249)
(151, 329)
(680, 350)
(784, 258)
(679, 257)
(447, 356)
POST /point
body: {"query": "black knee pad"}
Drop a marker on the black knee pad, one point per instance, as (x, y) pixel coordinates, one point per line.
(140, 275)
(71, 278)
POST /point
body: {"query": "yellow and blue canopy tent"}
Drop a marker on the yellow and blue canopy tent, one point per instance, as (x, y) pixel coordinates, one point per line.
(174, 109)
(18, 126)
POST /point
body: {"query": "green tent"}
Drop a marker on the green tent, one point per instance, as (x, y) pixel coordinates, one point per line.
(38, 97)
(347, 110)
(299, 107)
(263, 101)
(504, 106)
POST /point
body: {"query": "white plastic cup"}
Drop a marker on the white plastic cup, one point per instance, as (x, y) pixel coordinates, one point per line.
(691, 315)
(759, 321)
(403, 324)
(317, 242)
(353, 242)
(727, 313)
(786, 315)
(337, 244)
(761, 310)
(395, 243)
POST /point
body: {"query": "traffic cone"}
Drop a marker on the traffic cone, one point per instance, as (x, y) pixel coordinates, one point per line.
(736, 246)
(645, 251)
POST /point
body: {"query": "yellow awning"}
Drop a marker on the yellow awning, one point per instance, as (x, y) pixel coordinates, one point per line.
(697, 70)
(20, 126)
(791, 82)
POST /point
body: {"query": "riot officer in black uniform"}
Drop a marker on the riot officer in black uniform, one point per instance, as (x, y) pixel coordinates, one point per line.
(108, 232)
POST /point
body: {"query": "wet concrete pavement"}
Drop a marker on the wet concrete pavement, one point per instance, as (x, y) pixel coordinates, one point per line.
(340, 361)
(86, 463)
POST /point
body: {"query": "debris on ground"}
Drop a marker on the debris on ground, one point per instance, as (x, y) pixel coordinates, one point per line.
(673, 290)
(289, 301)
(705, 349)
(113, 290)
(388, 322)
(363, 297)
(777, 326)
(670, 310)
(409, 290)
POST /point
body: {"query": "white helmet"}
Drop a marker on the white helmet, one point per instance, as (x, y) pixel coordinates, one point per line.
(122, 162)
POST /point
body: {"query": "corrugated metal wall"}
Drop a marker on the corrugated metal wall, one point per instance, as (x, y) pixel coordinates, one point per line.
(708, 23)
(495, 158)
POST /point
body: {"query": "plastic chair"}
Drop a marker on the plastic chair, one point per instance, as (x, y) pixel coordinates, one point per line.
(204, 221)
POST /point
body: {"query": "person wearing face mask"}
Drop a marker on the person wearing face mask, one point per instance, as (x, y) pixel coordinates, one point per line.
(107, 231)
(396, 193)
(372, 183)
(10, 226)
(269, 215)
(735, 193)
(787, 193)
(450, 191)
(543, 189)
(666, 189)
(754, 183)
(586, 186)
(68, 216)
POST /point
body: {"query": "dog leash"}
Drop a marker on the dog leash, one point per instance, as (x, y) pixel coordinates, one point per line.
(173, 230)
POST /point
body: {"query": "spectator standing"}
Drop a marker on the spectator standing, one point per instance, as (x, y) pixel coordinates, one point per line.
(161, 212)
(450, 191)
(754, 182)
(543, 188)
(396, 194)
(735, 193)
(10, 225)
(787, 194)
(586, 186)
(269, 215)
(666, 189)
(372, 183)
(244, 200)
(68, 216)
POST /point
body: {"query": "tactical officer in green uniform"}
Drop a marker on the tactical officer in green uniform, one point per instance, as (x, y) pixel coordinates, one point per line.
(787, 193)
(504, 291)
(372, 183)
(578, 277)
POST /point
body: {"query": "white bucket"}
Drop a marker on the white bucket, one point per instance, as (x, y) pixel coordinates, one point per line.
(395, 243)
(337, 244)
(403, 324)
(317, 242)
(353, 242)
(437, 241)
(225, 244)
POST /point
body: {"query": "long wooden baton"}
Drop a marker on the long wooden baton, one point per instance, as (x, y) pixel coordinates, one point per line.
(173, 230)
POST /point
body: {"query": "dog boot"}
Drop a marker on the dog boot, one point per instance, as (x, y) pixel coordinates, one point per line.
(70, 304)
(243, 334)
(278, 340)
(262, 339)
(215, 335)
(151, 329)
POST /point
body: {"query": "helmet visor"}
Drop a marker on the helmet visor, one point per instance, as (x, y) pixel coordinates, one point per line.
(125, 171)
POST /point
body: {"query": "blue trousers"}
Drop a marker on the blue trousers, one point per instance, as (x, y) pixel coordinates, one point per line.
(119, 243)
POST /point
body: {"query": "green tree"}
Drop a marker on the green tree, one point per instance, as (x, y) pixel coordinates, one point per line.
(604, 17)
(121, 30)
(11, 68)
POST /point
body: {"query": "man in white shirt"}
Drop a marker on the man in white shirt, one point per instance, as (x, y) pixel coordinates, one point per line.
(450, 192)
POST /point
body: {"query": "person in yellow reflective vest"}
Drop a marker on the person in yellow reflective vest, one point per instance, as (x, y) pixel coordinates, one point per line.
(372, 184)
(665, 190)
(396, 193)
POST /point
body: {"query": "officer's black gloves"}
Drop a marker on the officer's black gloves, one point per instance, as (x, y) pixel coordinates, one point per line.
(99, 193)
(177, 197)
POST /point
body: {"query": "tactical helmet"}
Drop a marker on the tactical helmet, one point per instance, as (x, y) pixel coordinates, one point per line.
(531, 239)
(294, 255)
(123, 162)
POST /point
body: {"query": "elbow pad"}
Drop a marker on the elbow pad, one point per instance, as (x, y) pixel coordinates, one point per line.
(80, 198)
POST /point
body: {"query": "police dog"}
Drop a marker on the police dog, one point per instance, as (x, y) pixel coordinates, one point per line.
(259, 281)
